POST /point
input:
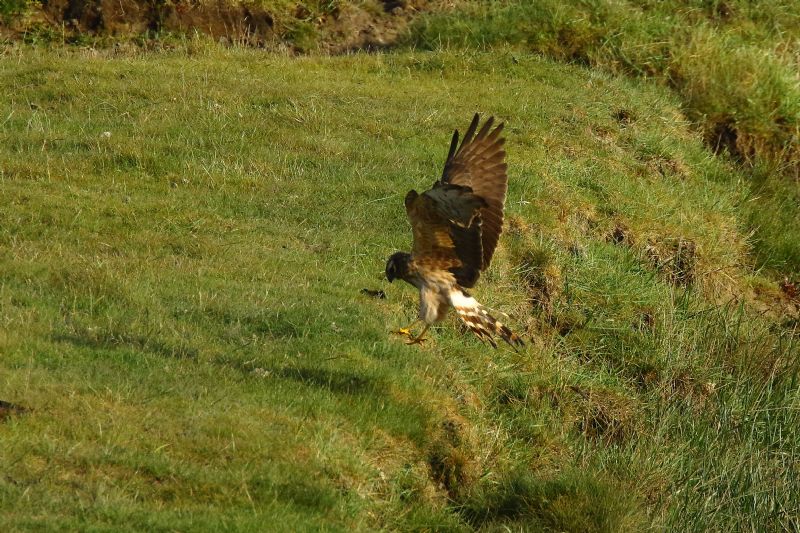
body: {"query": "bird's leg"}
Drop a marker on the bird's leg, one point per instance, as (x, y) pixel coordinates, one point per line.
(418, 339)
(406, 331)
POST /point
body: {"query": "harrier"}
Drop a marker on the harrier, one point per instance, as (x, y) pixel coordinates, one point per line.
(456, 225)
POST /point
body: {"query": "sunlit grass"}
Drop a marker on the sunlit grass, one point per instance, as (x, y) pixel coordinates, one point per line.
(733, 64)
(184, 238)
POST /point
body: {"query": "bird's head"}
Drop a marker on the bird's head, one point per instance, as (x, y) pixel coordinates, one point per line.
(397, 266)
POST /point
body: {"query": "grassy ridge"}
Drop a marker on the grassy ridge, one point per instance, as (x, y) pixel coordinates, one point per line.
(180, 305)
(733, 65)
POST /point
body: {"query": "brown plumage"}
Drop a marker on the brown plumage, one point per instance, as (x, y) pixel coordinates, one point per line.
(456, 225)
(480, 164)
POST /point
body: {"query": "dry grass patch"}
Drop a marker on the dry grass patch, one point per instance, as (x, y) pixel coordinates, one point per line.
(683, 386)
(542, 278)
(676, 259)
(607, 415)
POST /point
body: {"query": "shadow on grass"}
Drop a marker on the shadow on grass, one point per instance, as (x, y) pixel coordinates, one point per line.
(335, 381)
(571, 501)
(112, 340)
(372, 400)
(307, 494)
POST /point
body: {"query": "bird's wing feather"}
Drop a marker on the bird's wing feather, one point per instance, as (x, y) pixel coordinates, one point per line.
(479, 163)
(446, 225)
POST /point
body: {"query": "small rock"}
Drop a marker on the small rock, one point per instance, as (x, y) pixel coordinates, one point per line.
(374, 293)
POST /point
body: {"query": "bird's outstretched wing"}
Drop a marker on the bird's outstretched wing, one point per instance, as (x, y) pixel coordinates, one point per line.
(446, 225)
(479, 164)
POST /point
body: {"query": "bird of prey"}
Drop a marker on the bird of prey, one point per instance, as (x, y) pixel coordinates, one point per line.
(455, 226)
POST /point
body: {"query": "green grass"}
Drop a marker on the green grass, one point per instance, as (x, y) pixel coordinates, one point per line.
(733, 65)
(180, 303)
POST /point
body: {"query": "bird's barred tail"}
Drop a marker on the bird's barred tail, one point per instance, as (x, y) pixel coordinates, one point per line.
(479, 321)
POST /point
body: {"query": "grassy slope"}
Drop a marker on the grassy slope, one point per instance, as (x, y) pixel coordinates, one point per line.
(180, 304)
(733, 63)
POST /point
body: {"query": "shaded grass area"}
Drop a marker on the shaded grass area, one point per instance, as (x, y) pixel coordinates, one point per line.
(184, 241)
(775, 218)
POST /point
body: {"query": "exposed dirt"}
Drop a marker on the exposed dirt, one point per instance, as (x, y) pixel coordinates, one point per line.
(622, 235)
(791, 289)
(452, 460)
(341, 28)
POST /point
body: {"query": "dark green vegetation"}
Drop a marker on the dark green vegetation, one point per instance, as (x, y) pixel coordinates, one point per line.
(183, 241)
